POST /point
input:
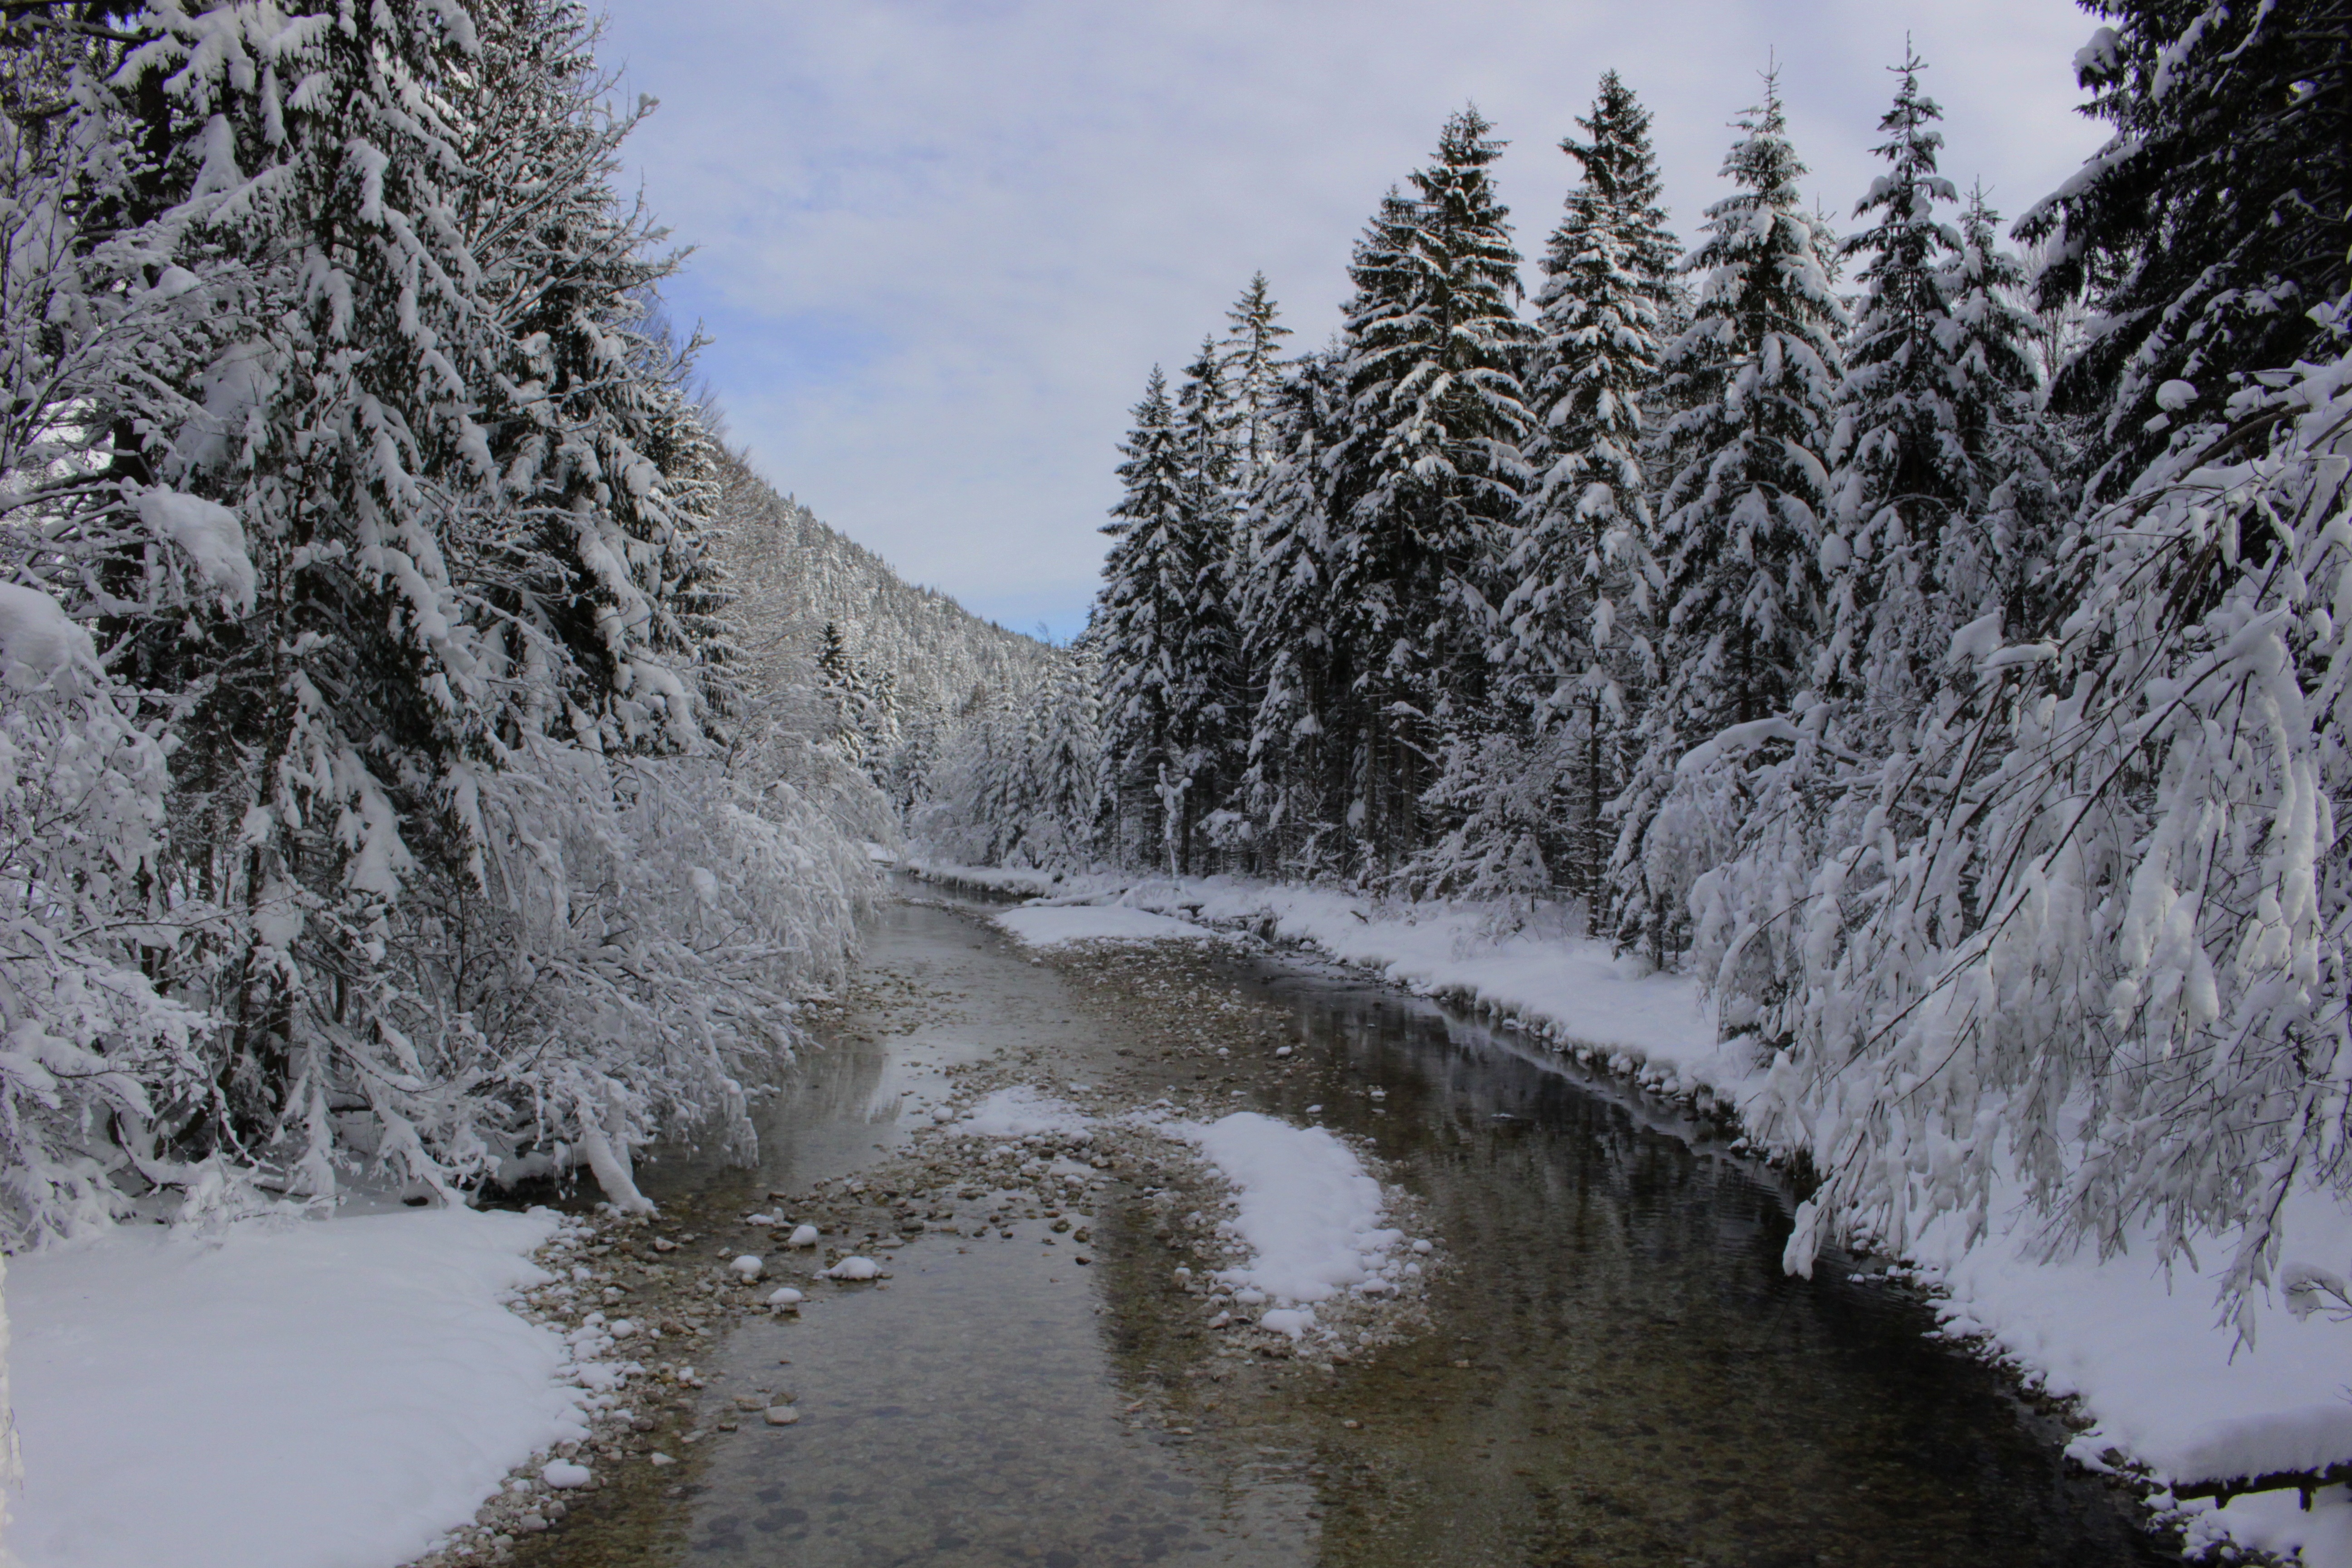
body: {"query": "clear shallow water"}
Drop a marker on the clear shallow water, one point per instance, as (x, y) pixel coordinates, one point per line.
(1643, 1387)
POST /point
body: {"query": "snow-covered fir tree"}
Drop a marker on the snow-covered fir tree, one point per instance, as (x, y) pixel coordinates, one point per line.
(2211, 225)
(1295, 784)
(864, 704)
(1157, 626)
(1998, 554)
(1753, 381)
(1437, 416)
(1904, 470)
(1580, 561)
(1251, 362)
(343, 432)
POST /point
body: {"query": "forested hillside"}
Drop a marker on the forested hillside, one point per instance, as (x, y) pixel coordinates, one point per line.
(790, 576)
(1941, 655)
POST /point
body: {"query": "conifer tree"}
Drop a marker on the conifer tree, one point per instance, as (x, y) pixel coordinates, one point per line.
(2212, 225)
(1252, 367)
(1579, 558)
(1211, 679)
(1754, 380)
(1436, 416)
(1999, 557)
(1904, 467)
(1295, 782)
(1158, 648)
(389, 509)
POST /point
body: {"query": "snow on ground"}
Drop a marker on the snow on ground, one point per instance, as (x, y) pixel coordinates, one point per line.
(1042, 928)
(1306, 1209)
(2146, 1355)
(331, 1393)
(1021, 1112)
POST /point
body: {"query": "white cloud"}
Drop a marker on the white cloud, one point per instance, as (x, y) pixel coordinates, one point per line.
(941, 243)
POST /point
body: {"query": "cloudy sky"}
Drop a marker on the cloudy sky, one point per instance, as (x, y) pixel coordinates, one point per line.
(940, 242)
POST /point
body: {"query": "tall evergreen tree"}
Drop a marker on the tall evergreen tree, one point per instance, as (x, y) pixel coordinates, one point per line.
(1755, 380)
(1214, 681)
(1302, 710)
(1437, 416)
(1999, 557)
(1580, 559)
(1905, 468)
(2212, 225)
(1252, 365)
(1161, 652)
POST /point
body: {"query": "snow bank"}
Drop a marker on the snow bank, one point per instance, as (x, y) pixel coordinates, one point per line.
(996, 878)
(1052, 927)
(1581, 992)
(334, 1393)
(1306, 1209)
(1021, 1112)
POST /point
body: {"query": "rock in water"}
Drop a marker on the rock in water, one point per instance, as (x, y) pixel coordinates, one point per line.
(852, 1268)
(747, 1266)
(782, 1415)
(803, 1235)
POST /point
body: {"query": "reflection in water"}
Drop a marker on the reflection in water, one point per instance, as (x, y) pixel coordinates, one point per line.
(1643, 1384)
(967, 1416)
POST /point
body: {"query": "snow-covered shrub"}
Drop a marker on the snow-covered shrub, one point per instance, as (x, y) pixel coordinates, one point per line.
(626, 963)
(1507, 803)
(2087, 923)
(93, 1059)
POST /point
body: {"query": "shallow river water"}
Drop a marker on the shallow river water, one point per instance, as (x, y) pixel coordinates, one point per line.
(1617, 1372)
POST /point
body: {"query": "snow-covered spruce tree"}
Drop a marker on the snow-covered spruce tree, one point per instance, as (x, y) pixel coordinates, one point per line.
(1207, 418)
(864, 727)
(1252, 365)
(1904, 467)
(1580, 559)
(2208, 229)
(1436, 416)
(1998, 554)
(1754, 383)
(1990, 571)
(1159, 643)
(1021, 780)
(1294, 784)
(1063, 801)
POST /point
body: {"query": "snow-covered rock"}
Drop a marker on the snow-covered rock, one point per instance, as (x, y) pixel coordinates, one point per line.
(563, 1475)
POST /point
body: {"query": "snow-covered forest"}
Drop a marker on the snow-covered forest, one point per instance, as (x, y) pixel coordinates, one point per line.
(417, 762)
(1924, 627)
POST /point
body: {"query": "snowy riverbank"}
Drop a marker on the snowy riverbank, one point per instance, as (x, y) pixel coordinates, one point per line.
(321, 1394)
(2142, 1356)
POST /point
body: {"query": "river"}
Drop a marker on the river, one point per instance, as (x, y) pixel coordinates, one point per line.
(1614, 1370)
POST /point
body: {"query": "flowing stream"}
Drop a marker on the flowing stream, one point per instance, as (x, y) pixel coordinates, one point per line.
(1617, 1372)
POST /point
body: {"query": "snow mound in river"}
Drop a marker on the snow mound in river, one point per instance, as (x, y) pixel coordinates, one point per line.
(1306, 1209)
(1021, 1112)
